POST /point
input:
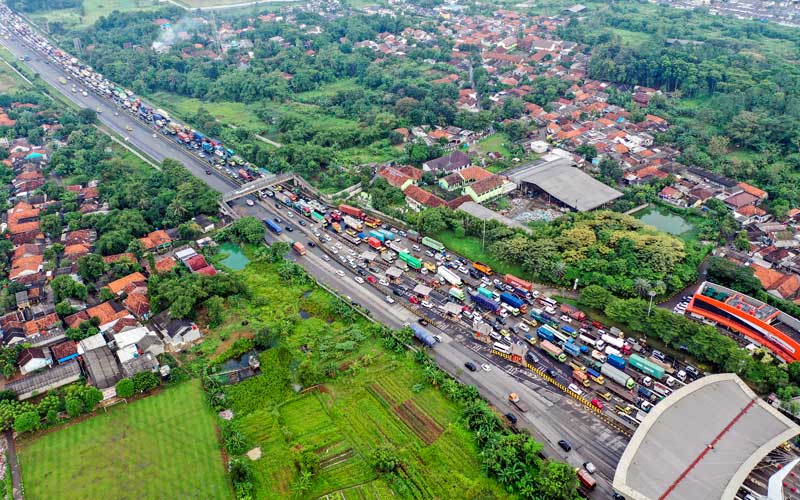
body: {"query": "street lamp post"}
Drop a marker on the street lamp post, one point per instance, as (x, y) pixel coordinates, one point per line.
(652, 294)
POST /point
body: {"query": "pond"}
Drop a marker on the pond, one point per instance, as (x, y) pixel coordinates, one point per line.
(236, 259)
(665, 221)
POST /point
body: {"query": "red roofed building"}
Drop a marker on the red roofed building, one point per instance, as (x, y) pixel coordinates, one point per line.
(42, 326)
(118, 286)
(417, 198)
(776, 283)
(138, 304)
(759, 193)
(165, 264)
(157, 240)
(395, 177)
(208, 271)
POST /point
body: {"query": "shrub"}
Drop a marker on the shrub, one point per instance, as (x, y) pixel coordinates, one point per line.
(125, 388)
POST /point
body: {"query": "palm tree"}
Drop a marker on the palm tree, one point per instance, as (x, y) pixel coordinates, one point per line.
(559, 269)
(641, 286)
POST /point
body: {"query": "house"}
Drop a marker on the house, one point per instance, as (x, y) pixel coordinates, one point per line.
(417, 198)
(107, 312)
(37, 384)
(165, 264)
(102, 366)
(118, 286)
(157, 240)
(486, 189)
(65, 351)
(776, 283)
(740, 200)
(750, 214)
(177, 333)
(670, 194)
(456, 160)
(396, 178)
(204, 223)
(42, 326)
(33, 359)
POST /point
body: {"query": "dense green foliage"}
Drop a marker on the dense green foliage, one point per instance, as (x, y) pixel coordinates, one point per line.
(75, 399)
(603, 248)
(42, 5)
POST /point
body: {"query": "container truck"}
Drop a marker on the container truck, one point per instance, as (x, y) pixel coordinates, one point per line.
(486, 292)
(485, 303)
(352, 222)
(457, 294)
(374, 243)
(546, 332)
(552, 351)
(272, 226)
(449, 276)
(618, 376)
(572, 349)
(647, 367)
(376, 234)
(580, 377)
(351, 211)
(412, 235)
(480, 266)
(423, 335)
(397, 247)
(572, 312)
(412, 262)
(510, 279)
(433, 244)
(513, 301)
(388, 235)
(299, 248)
(514, 400)
(596, 376)
(616, 361)
(371, 221)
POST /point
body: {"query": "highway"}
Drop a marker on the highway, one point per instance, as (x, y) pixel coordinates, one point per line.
(552, 415)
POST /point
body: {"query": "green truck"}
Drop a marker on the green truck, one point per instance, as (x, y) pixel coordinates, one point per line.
(647, 367)
(409, 259)
(431, 243)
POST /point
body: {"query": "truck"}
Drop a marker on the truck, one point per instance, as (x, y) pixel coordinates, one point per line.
(580, 377)
(430, 266)
(377, 235)
(572, 312)
(412, 235)
(317, 217)
(616, 361)
(572, 349)
(371, 221)
(299, 248)
(647, 367)
(272, 226)
(485, 303)
(352, 222)
(596, 376)
(423, 335)
(388, 256)
(662, 389)
(518, 404)
(510, 279)
(480, 266)
(336, 227)
(352, 211)
(388, 235)
(433, 244)
(617, 375)
(397, 247)
(449, 276)
(569, 330)
(648, 394)
(486, 292)
(599, 356)
(546, 332)
(514, 301)
(457, 294)
(586, 479)
(374, 243)
(409, 259)
(553, 351)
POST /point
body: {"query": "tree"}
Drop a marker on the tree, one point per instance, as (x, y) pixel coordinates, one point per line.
(215, 308)
(91, 267)
(51, 225)
(595, 297)
(27, 422)
(588, 151)
(610, 170)
(741, 242)
(65, 287)
(125, 388)
(244, 230)
(87, 116)
(64, 309)
(145, 381)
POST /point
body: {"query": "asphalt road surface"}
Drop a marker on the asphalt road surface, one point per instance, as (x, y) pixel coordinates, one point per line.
(552, 415)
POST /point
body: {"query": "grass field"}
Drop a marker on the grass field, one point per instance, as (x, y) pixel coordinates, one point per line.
(163, 446)
(494, 143)
(375, 399)
(94, 10)
(10, 81)
(470, 247)
(233, 113)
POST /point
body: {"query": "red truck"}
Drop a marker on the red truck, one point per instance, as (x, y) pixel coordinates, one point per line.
(572, 312)
(510, 279)
(374, 243)
(299, 248)
(352, 211)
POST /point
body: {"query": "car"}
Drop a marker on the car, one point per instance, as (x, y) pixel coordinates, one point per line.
(99, 111)
(278, 220)
(383, 283)
(427, 304)
(485, 367)
(691, 370)
(501, 320)
(564, 444)
(597, 404)
(659, 355)
(574, 388)
(511, 417)
(130, 129)
(278, 206)
(429, 253)
(372, 279)
(360, 271)
(335, 250)
(84, 93)
(413, 300)
(301, 222)
(422, 321)
(208, 172)
(289, 228)
(249, 202)
(326, 258)
(565, 318)
(312, 244)
(397, 292)
(551, 373)
(617, 496)
(525, 328)
(471, 366)
(340, 273)
(389, 299)
(359, 280)
(290, 215)
(505, 333)
(466, 314)
(415, 248)
(590, 468)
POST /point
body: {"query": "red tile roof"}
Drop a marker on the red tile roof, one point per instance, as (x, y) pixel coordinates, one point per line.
(424, 197)
(117, 286)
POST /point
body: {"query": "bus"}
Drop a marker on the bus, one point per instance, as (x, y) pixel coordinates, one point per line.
(561, 337)
(272, 226)
(547, 301)
(499, 346)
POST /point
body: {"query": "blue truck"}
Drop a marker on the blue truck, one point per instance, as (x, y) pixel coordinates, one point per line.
(378, 236)
(197, 136)
(423, 335)
(512, 300)
(545, 332)
(390, 236)
(485, 303)
(272, 226)
(616, 361)
(571, 348)
(569, 330)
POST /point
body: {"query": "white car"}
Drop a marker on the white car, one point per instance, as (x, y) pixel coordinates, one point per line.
(389, 299)
(485, 367)
(335, 250)
(383, 283)
(566, 319)
(340, 273)
(463, 270)
(326, 258)
(574, 388)
(359, 280)
(249, 202)
(525, 328)
(427, 304)
(290, 215)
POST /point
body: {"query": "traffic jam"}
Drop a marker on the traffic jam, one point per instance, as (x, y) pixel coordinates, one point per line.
(82, 78)
(618, 375)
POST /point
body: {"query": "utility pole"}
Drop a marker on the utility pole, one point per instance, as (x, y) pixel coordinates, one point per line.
(483, 238)
(652, 294)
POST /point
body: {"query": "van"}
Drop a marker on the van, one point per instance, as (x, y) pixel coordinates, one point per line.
(511, 417)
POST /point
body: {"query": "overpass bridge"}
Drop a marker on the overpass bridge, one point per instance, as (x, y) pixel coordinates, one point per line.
(268, 181)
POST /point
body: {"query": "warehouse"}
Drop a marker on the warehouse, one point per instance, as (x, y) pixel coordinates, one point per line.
(667, 459)
(559, 181)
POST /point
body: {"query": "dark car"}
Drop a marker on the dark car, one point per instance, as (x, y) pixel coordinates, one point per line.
(312, 244)
(531, 358)
(551, 373)
(208, 172)
(278, 206)
(564, 444)
(511, 418)
(475, 274)
(301, 222)
(397, 292)
(617, 496)
(361, 272)
(423, 321)
(471, 366)
(289, 228)
(278, 220)
(501, 320)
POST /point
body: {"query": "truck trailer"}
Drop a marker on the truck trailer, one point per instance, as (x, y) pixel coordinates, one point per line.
(617, 376)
